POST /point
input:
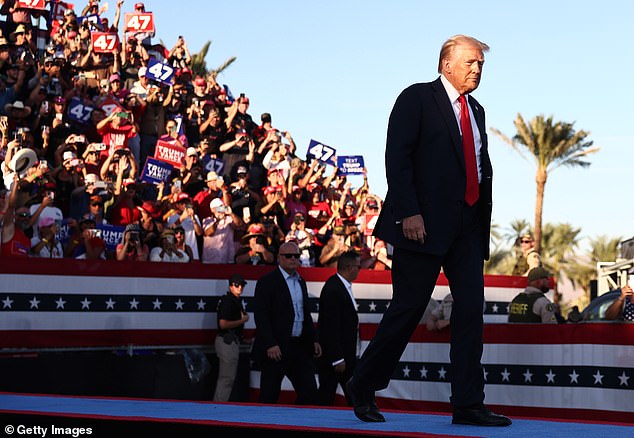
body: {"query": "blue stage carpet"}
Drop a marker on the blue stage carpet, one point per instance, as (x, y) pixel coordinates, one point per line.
(266, 418)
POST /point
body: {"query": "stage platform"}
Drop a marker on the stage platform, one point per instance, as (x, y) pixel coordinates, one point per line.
(121, 417)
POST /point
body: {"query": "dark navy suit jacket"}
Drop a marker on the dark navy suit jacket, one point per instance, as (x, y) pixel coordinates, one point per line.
(425, 170)
(274, 316)
(338, 323)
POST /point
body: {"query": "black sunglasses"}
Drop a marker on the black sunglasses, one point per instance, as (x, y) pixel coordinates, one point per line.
(238, 284)
(291, 256)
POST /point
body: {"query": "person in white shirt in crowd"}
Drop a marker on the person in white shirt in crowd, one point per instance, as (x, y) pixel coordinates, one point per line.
(187, 218)
(218, 232)
(167, 250)
(304, 238)
(46, 245)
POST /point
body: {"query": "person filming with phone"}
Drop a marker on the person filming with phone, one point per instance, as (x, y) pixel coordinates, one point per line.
(132, 246)
(116, 130)
(623, 307)
(167, 250)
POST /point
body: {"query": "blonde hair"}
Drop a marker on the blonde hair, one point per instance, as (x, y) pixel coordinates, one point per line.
(448, 46)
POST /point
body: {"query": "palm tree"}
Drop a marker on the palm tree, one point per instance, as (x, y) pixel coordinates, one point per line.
(559, 244)
(498, 256)
(551, 145)
(582, 270)
(199, 65)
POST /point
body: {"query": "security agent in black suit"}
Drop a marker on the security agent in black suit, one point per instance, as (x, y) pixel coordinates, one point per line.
(338, 325)
(286, 339)
(432, 226)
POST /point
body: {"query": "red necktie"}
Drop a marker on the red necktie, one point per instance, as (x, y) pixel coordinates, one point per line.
(472, 191)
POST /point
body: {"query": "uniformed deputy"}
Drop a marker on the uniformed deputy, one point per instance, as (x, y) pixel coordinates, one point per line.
(532, 305)
(529, 258)
(231, 319)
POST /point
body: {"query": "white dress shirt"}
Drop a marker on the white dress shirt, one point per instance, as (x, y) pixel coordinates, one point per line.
(455, 104)
(292, 280)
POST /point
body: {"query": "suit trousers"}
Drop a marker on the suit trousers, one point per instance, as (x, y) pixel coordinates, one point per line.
(228, 357)
(296, 364)
(329, 379)
(414, 276)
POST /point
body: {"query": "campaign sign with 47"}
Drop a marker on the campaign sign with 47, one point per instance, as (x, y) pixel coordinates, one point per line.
(321, 152)
(160, 72)
(78, 111)
(104, 42)
(32, 4)
(214, 165)
(139, 22)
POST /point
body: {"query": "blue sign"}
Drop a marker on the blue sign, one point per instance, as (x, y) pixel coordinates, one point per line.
(230, 97)
(112, 235)
(180, 128)
(93, 21)
(350, 164)
(321, 152)
(160, 72)
(79, 111)
(156, 171)
(214, 165)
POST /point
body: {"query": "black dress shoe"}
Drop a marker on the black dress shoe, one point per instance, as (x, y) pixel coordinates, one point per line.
(364, 405)
(479, 416)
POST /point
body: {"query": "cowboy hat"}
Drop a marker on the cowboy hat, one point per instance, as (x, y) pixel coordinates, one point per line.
(23, 160)
(254, 230)
(18, 105)
(20, 29)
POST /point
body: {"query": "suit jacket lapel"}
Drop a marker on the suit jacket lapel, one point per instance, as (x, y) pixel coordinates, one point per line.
(478, 113)
(287, 292)
(444, 105)
(344, 290)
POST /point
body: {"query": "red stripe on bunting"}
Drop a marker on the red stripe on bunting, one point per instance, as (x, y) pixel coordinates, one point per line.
(540, 334)
(111, 268)
(104, 338)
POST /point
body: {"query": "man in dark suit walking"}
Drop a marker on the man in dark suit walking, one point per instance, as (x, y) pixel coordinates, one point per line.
(437, 215)
(338, 326)
(286, 339)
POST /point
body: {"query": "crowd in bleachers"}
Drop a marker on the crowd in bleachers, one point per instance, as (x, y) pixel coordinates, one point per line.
(81, 118)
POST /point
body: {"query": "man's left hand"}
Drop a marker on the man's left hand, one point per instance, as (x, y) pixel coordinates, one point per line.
(414, 228)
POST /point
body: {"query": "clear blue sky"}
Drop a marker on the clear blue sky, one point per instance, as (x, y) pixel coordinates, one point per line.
(331, 70)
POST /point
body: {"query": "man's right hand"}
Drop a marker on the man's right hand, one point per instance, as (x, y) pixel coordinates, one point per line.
(414, 228)
(274, 353)
(626, 291)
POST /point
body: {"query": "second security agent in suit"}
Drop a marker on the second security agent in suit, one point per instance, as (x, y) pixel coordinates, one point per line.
(286, 339)
(437, 215)
(338, 327)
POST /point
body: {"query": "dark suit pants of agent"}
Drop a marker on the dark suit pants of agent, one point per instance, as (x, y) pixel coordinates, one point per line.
(298, 365)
